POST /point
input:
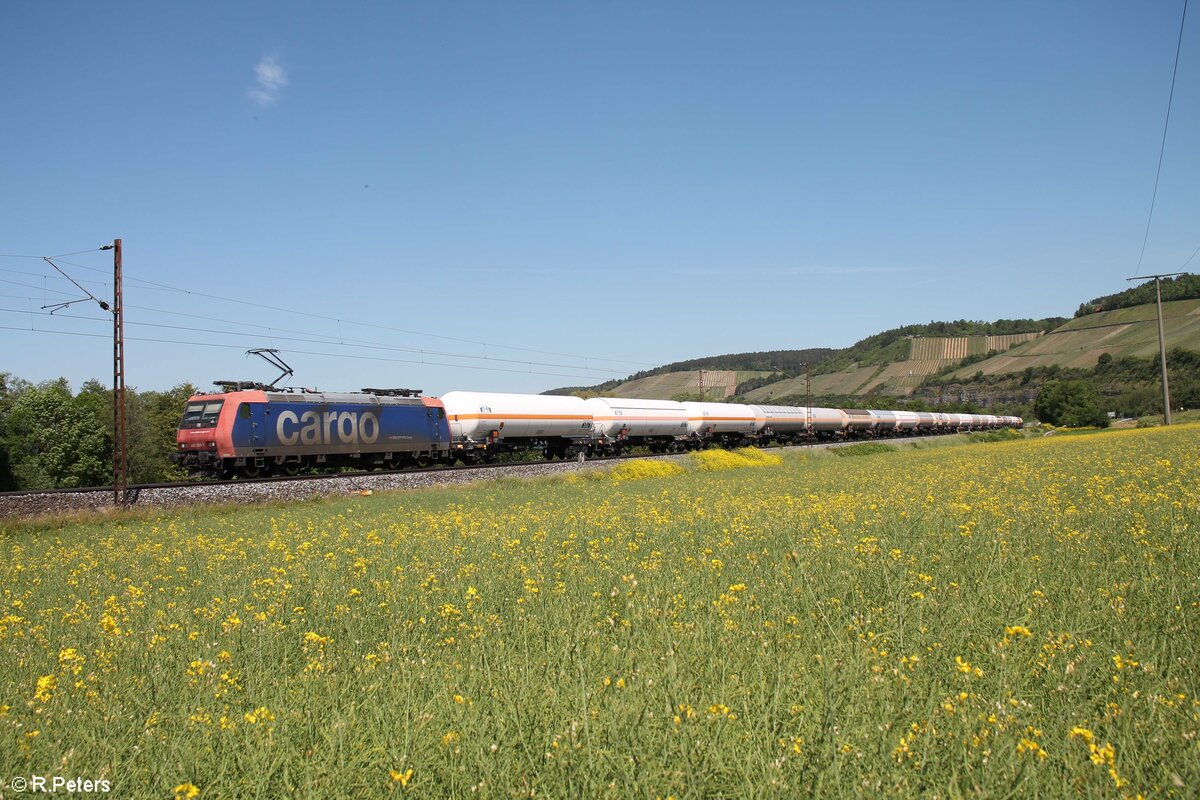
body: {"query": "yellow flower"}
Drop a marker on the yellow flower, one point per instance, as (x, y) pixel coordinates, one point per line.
(1081, 733)
(402, 778)
(1030, 746)
(45, 688)
(260, 714)
(186, 791)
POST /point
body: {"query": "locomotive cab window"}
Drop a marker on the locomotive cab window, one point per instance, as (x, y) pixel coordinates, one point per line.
(244, 411)
(202, 414)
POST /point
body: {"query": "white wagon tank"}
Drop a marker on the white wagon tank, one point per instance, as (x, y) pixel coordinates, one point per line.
(617, 417)
(476, 416)
(789, 419)
(718, 418)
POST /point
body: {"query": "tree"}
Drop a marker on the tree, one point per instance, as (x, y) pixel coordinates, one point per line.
(153, 421)
(55, 440)
(1073, 403)
(10, 388)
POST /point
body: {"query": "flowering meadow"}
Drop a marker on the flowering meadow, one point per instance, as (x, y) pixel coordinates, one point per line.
(999, 619)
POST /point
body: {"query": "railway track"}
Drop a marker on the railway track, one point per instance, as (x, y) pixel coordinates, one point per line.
(294, 487)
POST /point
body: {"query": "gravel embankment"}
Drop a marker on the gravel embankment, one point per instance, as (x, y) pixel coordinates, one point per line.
(32, 505)
(243, 492)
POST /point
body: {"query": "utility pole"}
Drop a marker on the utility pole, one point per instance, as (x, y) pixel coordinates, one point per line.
(120, 440)
(701, 380)
(1162, 339)
(120, 449)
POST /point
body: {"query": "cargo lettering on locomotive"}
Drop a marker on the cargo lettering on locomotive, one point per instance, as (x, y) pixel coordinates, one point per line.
(314, 427)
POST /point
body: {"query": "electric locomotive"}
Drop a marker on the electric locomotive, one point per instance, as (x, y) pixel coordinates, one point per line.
(251, 430)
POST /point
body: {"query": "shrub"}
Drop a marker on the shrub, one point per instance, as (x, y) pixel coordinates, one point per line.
(1073, 403)
(864, 449)
(640, 469)
(714, 460)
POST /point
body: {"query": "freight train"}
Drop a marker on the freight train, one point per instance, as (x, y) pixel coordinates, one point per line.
(249, 430)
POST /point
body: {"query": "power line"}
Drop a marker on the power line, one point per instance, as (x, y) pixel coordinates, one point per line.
(270, 331)
(60, 255)
(1193, 255)
(194, 343)
(1162, 148)
(324, 340)
(45, 275)
(340, 321)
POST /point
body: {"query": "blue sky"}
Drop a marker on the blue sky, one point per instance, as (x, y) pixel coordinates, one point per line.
(517, 196)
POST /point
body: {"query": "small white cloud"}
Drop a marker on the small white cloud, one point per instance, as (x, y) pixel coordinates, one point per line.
(271, 78)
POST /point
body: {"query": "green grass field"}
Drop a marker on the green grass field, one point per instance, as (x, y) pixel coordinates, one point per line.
(1000, 619)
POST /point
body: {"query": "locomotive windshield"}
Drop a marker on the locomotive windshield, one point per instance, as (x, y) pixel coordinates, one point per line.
(201, 415)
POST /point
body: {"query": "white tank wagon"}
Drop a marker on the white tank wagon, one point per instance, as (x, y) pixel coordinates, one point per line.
(961, 422)
(790, 423)
(927, 422)
(621, 422)
(907, 421)
(483, 424)
(859, 421)
(726, 423)
(885, 422)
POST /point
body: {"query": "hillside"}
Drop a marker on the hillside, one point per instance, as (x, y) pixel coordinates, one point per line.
(894, 361)
(920, 358)
(709, 383)
(1121, 333)
(979, 364)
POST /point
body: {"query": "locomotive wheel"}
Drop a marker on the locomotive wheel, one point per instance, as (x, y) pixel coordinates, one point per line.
(291, 468)
(423, 461)
(251, 471)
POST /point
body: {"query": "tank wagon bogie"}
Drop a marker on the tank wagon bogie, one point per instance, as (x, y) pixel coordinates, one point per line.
(257, 432)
